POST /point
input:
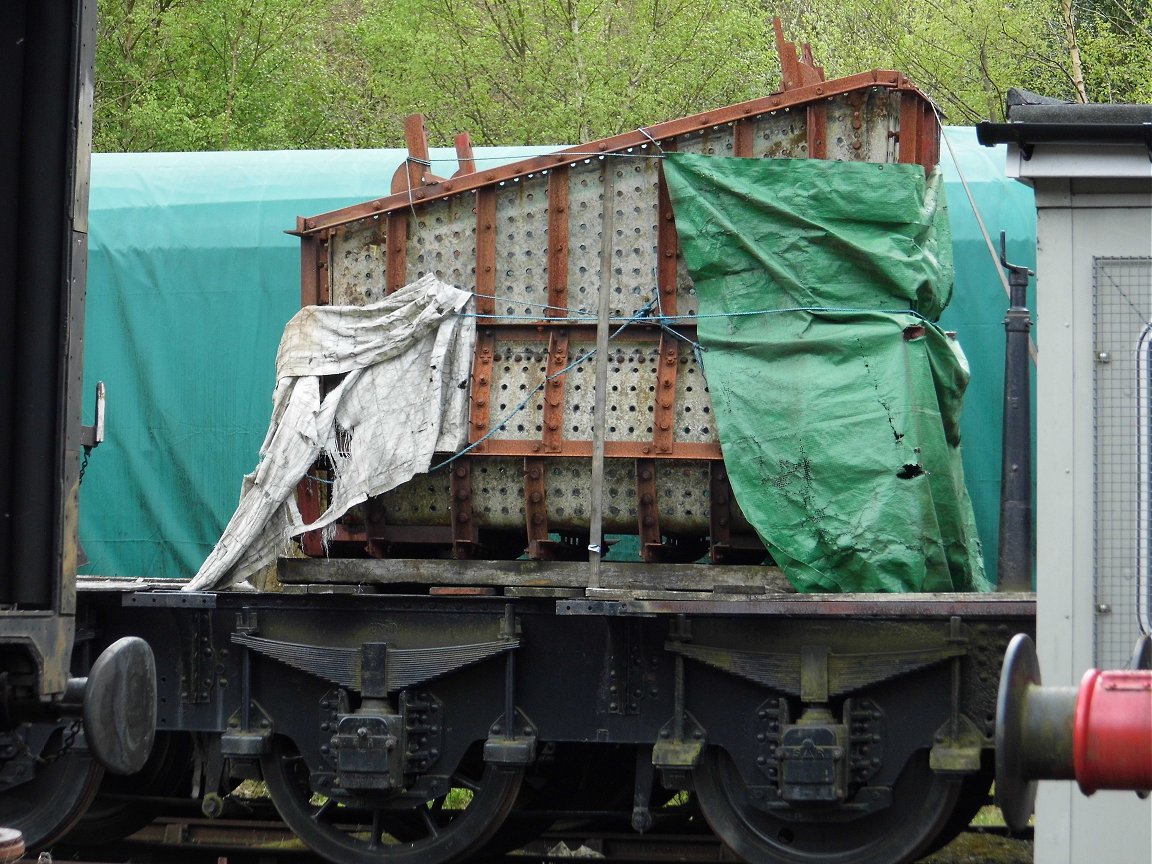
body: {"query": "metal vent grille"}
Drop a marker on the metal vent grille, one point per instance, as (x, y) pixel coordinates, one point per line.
(1122, 416)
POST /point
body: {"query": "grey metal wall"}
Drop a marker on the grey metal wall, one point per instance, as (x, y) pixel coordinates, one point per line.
(1093, 204)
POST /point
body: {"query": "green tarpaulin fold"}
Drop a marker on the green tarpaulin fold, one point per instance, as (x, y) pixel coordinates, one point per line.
(837, 398)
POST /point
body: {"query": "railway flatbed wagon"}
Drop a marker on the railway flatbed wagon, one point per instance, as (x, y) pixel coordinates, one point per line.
(626, 481)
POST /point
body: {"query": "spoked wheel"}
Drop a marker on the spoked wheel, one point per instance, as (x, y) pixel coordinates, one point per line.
(369, 832)
(123, 806)
(974, 795)
(48, 805)
(922, 802)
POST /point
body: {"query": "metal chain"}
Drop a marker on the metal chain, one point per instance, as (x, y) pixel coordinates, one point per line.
(61, 751)
(69, 743)
(84, 464)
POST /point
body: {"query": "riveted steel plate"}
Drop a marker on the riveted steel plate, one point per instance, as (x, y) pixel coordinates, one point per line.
(497, 497)
(442, 240)
(357, 268)
(863, 126)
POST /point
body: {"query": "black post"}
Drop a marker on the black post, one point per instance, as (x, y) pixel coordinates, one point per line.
(1014, 564)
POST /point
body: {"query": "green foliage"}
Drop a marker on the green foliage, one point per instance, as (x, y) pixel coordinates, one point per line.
(550, 71)
(1117, 42)
(266, 74)
(966, 54)
(209, 74)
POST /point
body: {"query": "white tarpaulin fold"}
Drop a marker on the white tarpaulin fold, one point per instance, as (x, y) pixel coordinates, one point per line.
(406, 361)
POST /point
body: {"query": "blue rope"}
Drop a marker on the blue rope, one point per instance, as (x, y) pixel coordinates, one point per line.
(583, 358)
(661, 319)
(642, 314)
(788, 309)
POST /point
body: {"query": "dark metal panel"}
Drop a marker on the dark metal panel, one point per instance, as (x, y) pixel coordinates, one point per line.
(37, 306)
(46, 52)
(11, 106)
(43, 186)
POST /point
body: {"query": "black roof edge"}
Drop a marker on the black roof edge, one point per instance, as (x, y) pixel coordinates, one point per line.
(1026, 135)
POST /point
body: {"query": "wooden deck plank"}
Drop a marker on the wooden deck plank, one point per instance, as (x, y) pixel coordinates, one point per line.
(533, 574)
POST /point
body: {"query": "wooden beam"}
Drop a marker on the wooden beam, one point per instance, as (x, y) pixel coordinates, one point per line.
(526, 573)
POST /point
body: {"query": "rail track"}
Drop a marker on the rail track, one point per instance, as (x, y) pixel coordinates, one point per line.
(181, 840)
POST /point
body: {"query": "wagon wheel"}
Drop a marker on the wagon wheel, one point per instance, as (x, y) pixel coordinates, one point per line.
(922, 802)
(974, 796)
(47, 806)
(370, 832)
(123, 806)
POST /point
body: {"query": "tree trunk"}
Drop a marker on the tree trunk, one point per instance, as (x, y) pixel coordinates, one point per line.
(1073, 50)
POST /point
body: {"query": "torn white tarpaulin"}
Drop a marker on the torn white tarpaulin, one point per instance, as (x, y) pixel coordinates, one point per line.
(404, 396)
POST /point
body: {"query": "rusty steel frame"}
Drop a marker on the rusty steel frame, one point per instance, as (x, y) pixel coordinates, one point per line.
(393, 222)
(921, 152)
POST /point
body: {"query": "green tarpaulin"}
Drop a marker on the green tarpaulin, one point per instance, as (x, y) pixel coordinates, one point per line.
(836, 396)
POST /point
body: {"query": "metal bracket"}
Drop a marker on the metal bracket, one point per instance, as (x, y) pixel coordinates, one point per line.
(479, 409)
(93, 436)
(865, 721)
(465, 536)
(799, 69)
(664, 411)
(422, 715)
(959, 741)
(536, 508)
(241, 741)
(247, 621)
(627, 678)
(170, 599)
(772, 716)
(673, 755)
(413, 173)
(720, 515)
(557, 242)
(957, 751)
(515, 745)
(554, 393)
(198, 675)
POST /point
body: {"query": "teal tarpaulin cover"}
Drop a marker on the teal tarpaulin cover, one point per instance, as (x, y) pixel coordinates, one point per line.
(191, 279)
(836, 396)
